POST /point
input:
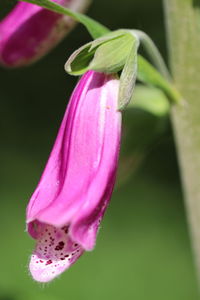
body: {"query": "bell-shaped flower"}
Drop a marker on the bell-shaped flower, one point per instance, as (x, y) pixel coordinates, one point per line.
(29, 31)
(66, 209)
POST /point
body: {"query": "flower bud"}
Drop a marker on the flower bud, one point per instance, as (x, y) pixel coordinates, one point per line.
(28, 32)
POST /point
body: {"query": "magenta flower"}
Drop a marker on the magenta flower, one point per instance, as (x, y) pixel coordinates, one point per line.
(69, 202)
(28, 32)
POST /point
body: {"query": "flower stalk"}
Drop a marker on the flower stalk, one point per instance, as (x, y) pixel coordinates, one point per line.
(153, 53)
(182, 20)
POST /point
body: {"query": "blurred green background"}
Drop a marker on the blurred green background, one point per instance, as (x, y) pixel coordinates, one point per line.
(143, 250)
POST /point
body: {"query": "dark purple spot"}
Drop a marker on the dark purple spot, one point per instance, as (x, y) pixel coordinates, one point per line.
(60, 246)
(65, 229)
(49, 262)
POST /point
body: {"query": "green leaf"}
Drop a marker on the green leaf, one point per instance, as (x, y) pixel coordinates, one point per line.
(149, 75)
(150, 99)
(95, 28)
(128, 77)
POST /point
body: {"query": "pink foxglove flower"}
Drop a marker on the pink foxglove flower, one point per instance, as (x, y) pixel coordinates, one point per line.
(65, 211)
(28, 32)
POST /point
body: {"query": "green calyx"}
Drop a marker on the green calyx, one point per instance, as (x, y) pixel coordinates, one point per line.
(117, 51)
(106, 54)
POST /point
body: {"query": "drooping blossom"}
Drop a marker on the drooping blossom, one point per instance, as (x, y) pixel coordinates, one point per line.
(29, 31)
(66, 209)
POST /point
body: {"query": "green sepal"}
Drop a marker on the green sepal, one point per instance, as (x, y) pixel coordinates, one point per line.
(107, 54)
(111, 56)
(128, 77)
(106, 37)
(78, 62)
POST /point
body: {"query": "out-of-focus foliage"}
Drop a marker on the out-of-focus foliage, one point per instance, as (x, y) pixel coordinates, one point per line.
(143, 249)
(145, 124)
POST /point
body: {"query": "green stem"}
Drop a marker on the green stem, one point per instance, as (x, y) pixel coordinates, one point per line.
(182, 20)
(153, 52)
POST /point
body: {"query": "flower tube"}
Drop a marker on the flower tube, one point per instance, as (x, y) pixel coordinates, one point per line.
(29, 31)
(69, 202)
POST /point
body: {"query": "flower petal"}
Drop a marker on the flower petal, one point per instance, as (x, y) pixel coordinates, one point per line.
(78, 180)
(28, 32)
(54, 253)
